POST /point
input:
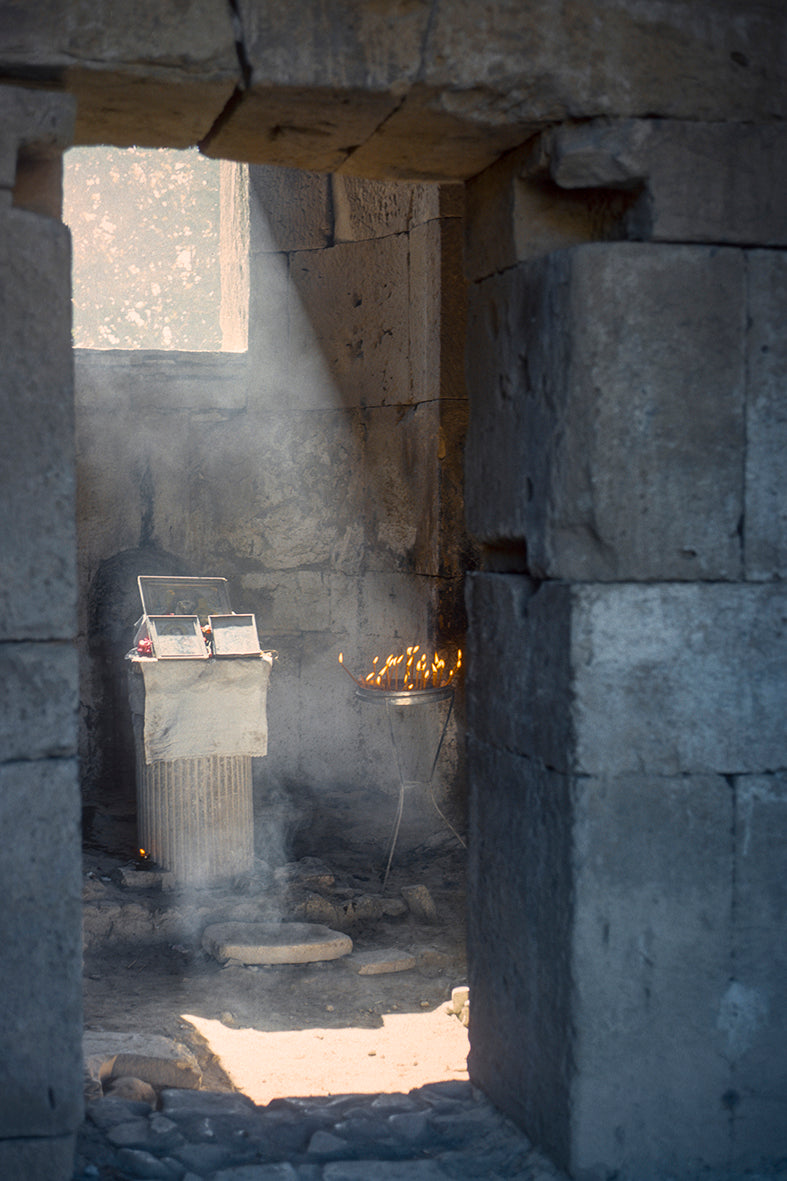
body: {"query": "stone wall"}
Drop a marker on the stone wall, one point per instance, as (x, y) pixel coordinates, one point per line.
(321, 472)
(631, 620)
(40, 965)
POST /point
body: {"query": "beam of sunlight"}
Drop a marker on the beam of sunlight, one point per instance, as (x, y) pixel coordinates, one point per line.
(408, 1050)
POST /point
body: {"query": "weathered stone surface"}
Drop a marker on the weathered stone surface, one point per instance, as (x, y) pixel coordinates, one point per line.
(310, 873)
(143, 380)
(274, 943)
(378, 963)
(654, 373)
(35, 123)
(514, 215)
(40, 970)
(420, 903)
(354, 299)
(520, 972)
(365, 209)
(37, 700)
(157, 1060)
(701, 182)
(136, 1090)
(677, 679)
(651, 945)
(765, 536)
(37, 596)
(290, 209)
(51, 1156)
(159, 80)
(751, 1016)
(406, 94)
(519, 648)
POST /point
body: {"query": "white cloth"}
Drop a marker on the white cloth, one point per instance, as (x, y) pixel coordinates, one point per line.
(198, 708)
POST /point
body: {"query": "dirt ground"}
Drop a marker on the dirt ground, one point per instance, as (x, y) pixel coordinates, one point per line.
(285, 1030)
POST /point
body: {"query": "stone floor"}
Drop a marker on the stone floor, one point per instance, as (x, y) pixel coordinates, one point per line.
(440, 1131)
(145, 967)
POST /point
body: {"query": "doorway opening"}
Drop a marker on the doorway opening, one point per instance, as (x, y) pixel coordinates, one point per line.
(320, 471)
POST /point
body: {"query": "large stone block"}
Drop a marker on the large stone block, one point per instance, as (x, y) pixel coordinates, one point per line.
(677, 679)
(37, 590)
(520, 916)
(515, 211)
(365, 209)
(753, 1016)
(38, 700)
(611, 435)
(401, 503)
(40, 970)
(355, 300)
(700, 182)
(412, 93)
(160, 80)
(651, 959)
(616, 679)
(519, 657)
(765, 536)
(290, 210)
(35, 123)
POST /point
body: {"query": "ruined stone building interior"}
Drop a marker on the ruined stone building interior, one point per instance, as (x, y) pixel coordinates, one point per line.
(485, 354)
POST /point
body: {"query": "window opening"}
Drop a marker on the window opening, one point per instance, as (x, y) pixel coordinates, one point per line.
(160, 249)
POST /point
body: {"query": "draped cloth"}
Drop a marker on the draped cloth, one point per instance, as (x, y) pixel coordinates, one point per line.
(199, 708)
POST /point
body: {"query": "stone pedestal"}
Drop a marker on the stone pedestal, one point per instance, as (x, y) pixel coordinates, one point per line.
(195, 817)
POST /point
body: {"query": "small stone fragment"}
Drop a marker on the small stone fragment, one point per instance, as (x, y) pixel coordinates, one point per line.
(131, 878)
(459, 998)
(310, 873)
(134, 1089)
(137, 1163)
(420, 903)
(326, 1144)
(377, 963)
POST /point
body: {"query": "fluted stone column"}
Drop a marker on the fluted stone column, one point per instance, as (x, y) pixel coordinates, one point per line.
(196, 817)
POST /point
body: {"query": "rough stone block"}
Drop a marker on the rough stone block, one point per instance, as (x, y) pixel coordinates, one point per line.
(290, 210)
(38, 587)
(157, 1060)
(402, 489)
(40, 970)
(366, 209)
(701, 182)
(519, 914)
(519, 654)
(51, 1157)
(677, 679)
(612, 440)
(514, 214)
(38, 700)
(355, 311)
(651, 940)
(753, 1019)
(33, 122)
(765, 536)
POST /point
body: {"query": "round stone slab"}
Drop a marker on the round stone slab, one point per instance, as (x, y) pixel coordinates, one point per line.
(275, 943)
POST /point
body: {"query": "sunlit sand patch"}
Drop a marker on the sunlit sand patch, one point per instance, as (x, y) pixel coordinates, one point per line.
(408, 1050)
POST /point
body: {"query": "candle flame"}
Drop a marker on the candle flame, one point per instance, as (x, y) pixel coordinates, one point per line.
(419, 672)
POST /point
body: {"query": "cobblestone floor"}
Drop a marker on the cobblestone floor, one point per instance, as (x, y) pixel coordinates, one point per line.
(440, 1131)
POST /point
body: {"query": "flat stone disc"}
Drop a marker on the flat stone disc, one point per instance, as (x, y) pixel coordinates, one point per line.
(275, 943)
